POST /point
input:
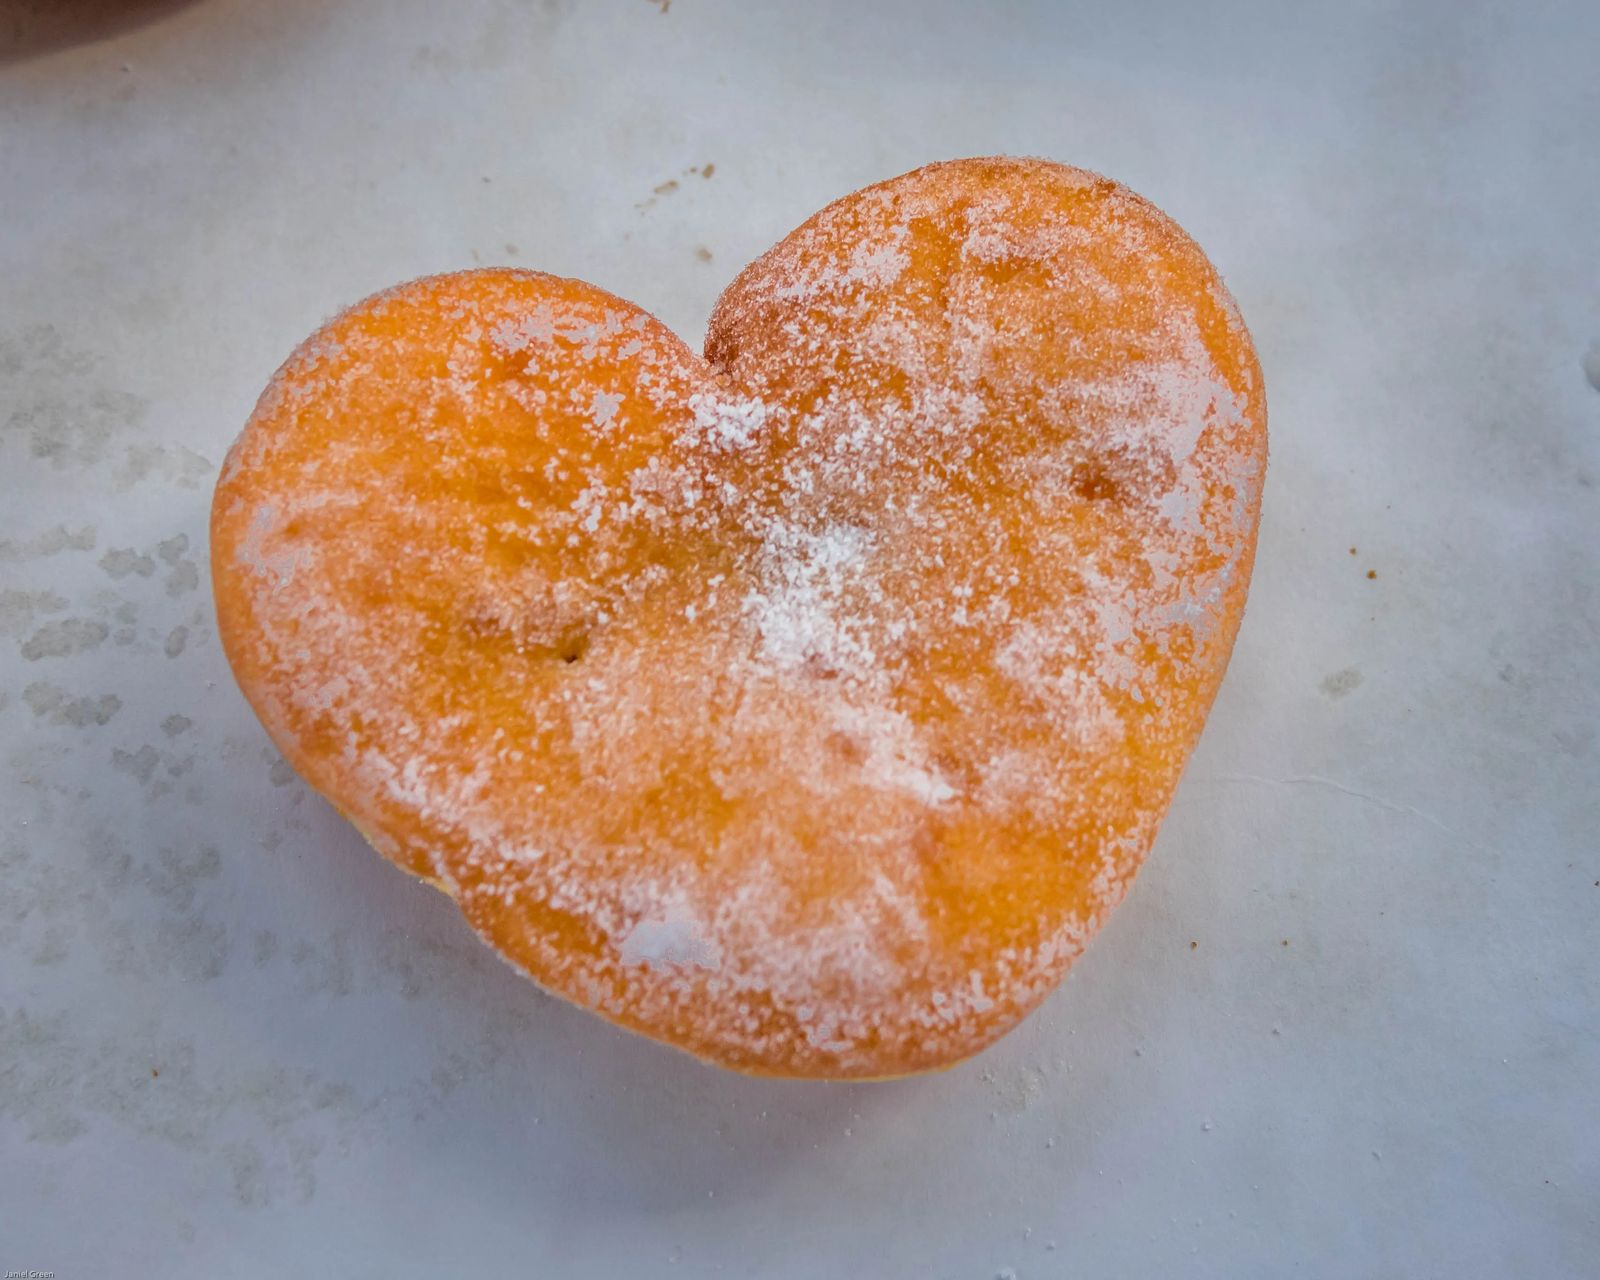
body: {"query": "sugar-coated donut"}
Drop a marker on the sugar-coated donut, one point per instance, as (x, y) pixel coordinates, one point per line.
(806, 706)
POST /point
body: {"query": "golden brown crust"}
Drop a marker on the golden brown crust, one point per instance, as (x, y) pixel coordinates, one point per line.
(805, 707)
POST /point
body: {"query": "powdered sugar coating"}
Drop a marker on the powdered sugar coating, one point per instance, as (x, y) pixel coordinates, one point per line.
(807, 708)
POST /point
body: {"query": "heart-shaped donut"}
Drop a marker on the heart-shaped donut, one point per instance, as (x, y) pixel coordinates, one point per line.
(805, 706)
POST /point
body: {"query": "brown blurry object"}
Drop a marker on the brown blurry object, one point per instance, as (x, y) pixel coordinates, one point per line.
(29, 28)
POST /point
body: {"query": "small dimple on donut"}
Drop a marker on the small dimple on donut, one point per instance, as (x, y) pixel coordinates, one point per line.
(807, 706)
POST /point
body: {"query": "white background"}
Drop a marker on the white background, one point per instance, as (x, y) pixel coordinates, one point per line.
(1348, 1023)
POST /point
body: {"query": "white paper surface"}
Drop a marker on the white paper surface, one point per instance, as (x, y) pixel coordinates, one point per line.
(1347, 1024)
